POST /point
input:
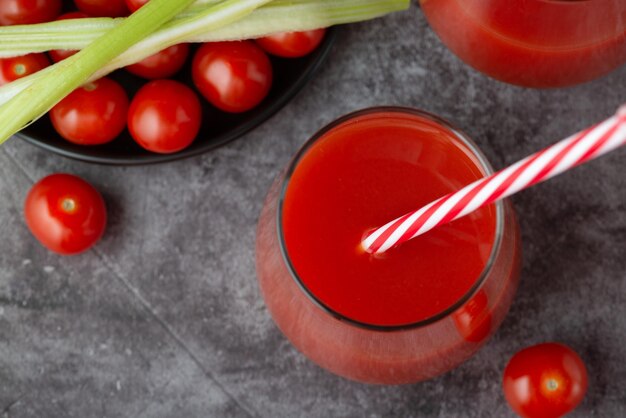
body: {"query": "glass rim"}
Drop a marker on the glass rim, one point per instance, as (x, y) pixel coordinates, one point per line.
(458, 135)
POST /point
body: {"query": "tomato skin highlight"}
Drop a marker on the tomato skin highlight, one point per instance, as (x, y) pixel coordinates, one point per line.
(60, 54)
(93, 114)
(233, 76)
(165, 116)
(26, 12)
(545, 381)
(103, 8)
(163, 64)
(65, 213)
(17, 67)
(292, 44)
(134, 5)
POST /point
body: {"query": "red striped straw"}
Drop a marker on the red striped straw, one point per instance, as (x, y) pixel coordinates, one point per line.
(571, 152)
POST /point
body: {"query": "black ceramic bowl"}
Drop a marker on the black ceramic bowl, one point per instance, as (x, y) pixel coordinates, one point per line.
(218, 128)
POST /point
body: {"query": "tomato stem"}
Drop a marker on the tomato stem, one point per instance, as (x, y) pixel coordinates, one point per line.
(68, 204)
(552, 385)
(19, 69)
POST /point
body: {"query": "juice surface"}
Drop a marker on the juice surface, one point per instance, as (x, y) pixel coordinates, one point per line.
(362, 174)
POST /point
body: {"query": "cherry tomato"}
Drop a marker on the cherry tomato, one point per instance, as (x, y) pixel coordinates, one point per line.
(92, 114)
(103, 8)
(163, 64)
(25, 12)
(233, 76)
(65, 213)
(18, 67)
(545, 381)
(60, 54)
(164, 116)
(292, 44)
(134, 5)
(473, 320)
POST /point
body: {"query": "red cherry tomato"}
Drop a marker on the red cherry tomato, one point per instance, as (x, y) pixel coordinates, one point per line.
(233, 76)
(65, 213)
(545, 381)
(163, 64)
(103, 8)
(26, 12)
(134, 5)
(473, 320)
(92, 114)
(18, 67)
(292, 44)
(164, 116)
(60, 54)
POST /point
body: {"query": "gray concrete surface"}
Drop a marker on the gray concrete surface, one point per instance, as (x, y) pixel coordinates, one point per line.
(164, 318)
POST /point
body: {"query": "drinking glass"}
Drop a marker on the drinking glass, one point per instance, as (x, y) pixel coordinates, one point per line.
(371, 351)
(533, 43)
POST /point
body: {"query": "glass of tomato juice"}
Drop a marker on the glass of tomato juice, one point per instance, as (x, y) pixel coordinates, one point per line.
(415, 311)
(533, 43)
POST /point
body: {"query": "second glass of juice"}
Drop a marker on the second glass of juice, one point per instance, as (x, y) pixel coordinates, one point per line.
(415, 311)
(533, 43)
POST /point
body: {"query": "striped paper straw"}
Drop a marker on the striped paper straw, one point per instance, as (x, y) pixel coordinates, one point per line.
(564, 155)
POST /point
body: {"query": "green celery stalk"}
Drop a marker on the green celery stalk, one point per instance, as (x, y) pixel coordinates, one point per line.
(277, 16)
(205, 20)
(36, 95)
(286, 16)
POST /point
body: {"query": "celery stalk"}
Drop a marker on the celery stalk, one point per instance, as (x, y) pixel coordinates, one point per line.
(207, 19)
(277, 16)
(114, 43)
(285, 16)
(38, 94)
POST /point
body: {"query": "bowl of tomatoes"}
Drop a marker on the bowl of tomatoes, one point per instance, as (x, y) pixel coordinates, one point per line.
(183, 101)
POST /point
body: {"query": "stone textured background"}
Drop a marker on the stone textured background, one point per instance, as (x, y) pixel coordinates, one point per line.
(164, 318)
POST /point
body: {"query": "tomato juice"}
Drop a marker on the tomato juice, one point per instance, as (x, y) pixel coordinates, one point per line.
(360, 176)
(533, 43)
(415, 311)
